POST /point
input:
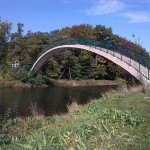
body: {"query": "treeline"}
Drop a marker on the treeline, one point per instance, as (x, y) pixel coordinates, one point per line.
(70, 64)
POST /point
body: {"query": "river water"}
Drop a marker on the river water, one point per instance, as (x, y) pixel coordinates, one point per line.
(51, 100)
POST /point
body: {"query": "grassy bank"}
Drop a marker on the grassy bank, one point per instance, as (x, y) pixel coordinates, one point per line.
(92, 82)
(5, 83)
(117, 122)
(59, 83)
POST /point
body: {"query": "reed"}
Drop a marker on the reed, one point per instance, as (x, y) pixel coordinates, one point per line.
(36, 112)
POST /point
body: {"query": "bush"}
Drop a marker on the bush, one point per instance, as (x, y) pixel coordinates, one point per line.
(5, 124)
(37, 81)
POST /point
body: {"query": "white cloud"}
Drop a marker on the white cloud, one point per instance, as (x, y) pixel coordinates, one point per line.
(102, 7)
(137, 17)
(130, 9)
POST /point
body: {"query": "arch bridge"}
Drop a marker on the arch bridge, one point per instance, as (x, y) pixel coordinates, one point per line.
(136, 63)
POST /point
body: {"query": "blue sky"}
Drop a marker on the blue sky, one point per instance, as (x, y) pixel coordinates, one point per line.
(125, 17)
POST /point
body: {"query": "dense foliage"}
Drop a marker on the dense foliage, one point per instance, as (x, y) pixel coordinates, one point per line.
(70, 64)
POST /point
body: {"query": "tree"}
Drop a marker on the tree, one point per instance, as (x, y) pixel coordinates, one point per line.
(5, 28)
(112, 70)
(5, 34)
(20, 28)
(102, 32)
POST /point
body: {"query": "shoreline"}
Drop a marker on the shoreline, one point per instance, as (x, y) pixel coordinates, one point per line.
(58, 83)
(78, 83)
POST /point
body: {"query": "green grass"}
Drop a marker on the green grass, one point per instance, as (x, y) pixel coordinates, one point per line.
(118, 122)
(8, 83)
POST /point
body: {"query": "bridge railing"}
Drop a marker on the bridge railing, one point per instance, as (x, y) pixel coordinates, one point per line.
(141, 58)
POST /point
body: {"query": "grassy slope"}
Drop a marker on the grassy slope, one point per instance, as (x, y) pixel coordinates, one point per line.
(118, 122)
(90, 82)
(4, 83)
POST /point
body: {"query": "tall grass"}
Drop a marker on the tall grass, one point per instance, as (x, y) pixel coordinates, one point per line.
(35, 111)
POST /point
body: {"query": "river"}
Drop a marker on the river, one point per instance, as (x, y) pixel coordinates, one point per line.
(51, 100)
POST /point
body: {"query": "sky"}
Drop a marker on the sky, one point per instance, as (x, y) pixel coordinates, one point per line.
(125, 17)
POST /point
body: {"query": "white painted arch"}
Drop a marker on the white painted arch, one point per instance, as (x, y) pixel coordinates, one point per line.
(134, 68)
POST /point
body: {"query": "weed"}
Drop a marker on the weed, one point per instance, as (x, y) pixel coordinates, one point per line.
(36, 112)
(5, 124)
(72, 107)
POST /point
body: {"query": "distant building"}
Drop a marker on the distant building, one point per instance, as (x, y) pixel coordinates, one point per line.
(16, 64)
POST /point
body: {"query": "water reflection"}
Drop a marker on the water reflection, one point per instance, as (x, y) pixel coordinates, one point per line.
(52, 100)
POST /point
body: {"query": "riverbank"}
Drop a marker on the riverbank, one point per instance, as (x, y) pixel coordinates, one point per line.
(4, 83)
(73, 83)
(117, 121)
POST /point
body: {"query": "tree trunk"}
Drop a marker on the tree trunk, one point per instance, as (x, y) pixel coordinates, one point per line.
(70, 74)
(96, 59)
(61, 74)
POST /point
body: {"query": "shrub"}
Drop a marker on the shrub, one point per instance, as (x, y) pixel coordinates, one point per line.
(5, 124)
